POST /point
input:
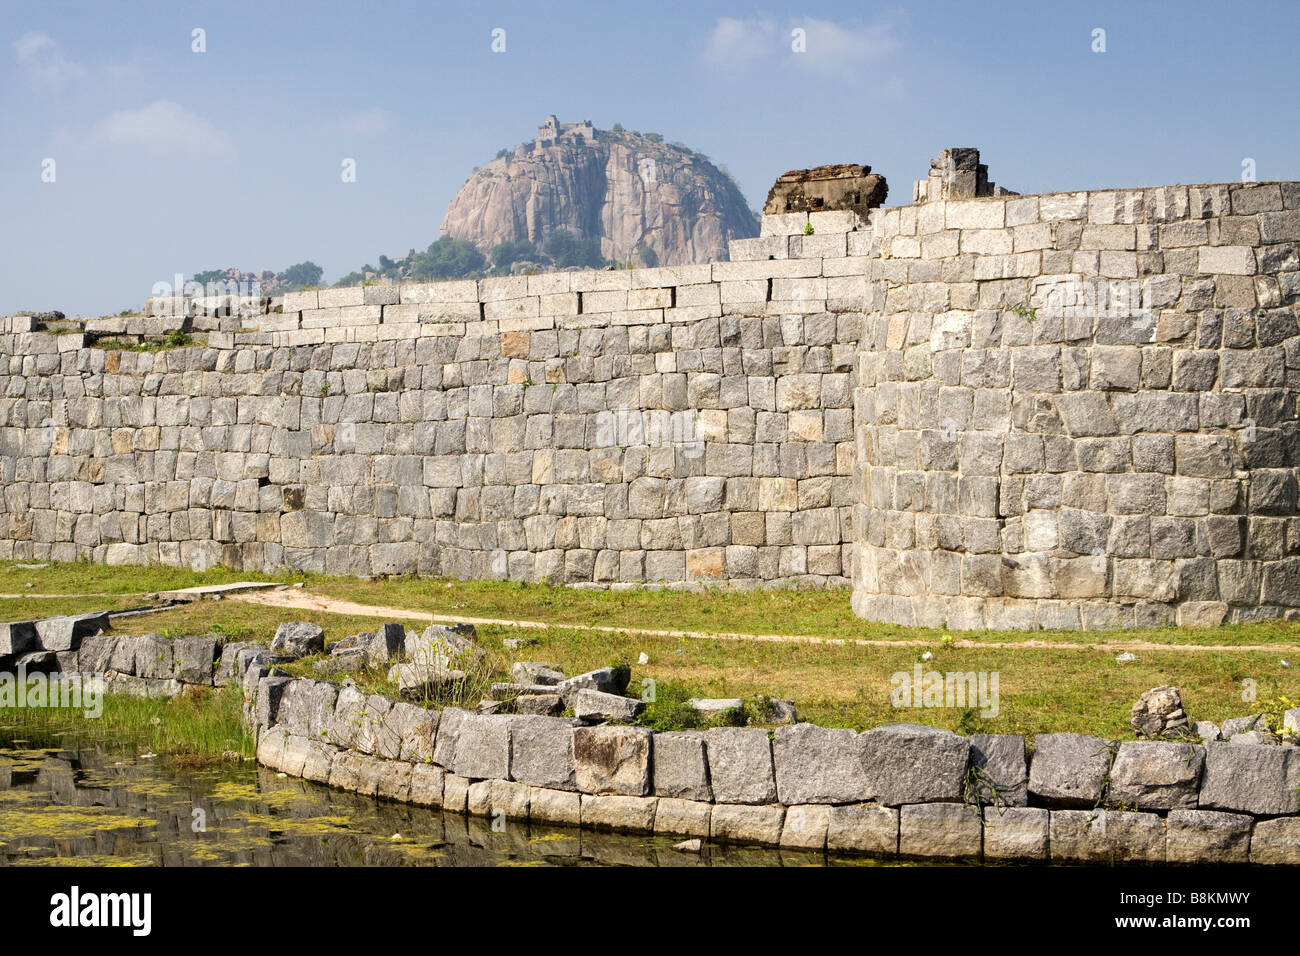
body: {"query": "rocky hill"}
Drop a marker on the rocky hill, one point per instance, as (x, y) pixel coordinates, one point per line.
(646, 201)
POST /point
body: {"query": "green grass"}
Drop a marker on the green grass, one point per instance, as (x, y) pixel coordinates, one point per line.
(825, 614)
(200, 726)
(1060, 682)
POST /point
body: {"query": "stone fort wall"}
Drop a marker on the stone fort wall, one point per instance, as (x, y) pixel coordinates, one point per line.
(1076, 409)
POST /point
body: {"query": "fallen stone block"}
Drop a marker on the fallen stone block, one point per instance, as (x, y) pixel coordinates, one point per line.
(712, 708)
(607, 680)
(298, 639)
(423, 680)
(612, 760)
(1153, 775)
(539, 704)
(595, 705)
(1159, 713)
(1015, 833)
(625, 813)
(65, 633)
(535, 672)
(818, 765)
(17, 637)
(1240, 725)
(950, 831)
(1069, 770)
(913, 763)
(442, 649)
(740, 765)
(1207, 836)
(737, 823)
(1245, 778)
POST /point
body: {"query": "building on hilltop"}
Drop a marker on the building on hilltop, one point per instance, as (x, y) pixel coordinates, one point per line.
(553, 131)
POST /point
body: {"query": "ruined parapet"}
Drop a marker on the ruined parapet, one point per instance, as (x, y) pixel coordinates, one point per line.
(957, 173)
(846, 186)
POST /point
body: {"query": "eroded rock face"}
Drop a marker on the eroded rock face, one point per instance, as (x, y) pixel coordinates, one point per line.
(826, 189)
(623, 189)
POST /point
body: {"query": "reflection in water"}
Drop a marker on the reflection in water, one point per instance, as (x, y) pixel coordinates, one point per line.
(99, 806)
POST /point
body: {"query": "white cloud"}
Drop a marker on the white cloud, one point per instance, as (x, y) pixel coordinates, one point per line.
(161, 125)
(827, 47)
(43, 61)
(371, 122)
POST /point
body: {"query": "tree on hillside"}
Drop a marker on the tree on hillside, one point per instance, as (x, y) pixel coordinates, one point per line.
(506, 254)
(567, 250)
(302, 275)
(448, 258)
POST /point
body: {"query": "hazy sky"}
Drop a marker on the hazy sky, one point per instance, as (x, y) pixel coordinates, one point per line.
(167, 160)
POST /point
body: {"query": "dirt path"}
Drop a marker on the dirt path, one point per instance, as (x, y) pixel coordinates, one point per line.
(316, 602)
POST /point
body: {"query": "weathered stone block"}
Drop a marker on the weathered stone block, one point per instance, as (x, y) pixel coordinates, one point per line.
(1106, 836)
(1154, 775)
(686, 817)
(1015, 833)
(736, 823)
(1002, 776)
(951, 831)
(913, 763)
(1069, 770)
(681, 768)
(612, 760)
(863, 828)
(1207, 836)
(1276, 841)
(541, 752)
(805, 826)
(818, 765)
(1248, 778)
(626, 813)
(740, 765)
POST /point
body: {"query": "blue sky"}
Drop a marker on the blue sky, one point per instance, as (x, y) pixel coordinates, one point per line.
(168, 161)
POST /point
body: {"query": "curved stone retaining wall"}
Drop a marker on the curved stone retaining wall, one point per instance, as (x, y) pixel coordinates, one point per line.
(901, 790)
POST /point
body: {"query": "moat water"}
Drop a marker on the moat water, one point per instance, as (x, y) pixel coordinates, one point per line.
(64, 802)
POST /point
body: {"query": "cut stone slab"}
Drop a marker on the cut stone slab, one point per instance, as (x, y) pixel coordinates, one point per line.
(685, 817)
(395, 782)
(544, 704)
(483, 747)
(535, 672)
(444, 748)
(681, 768)
(426, 785)
(218, 590)
(740, 765)
(805, 826)
(1003, 778)
(950, 831)
(1069, 770)
(816, 765)
(555, 806)
(298, 639)
(913, 763)
(541, 752)
(1155, 775)
(1015, 833)
(613, 812)
(1246, 778)
(612, 760)
(1106, 836)
(735, 823)
(595, 705)
(863, 828)
(1207, 836)
(1276, 841)
(66, 632)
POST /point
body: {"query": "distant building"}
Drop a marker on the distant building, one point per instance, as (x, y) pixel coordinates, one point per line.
(553, 131)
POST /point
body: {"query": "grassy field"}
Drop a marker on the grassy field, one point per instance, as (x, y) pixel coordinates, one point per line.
(1047, 681)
